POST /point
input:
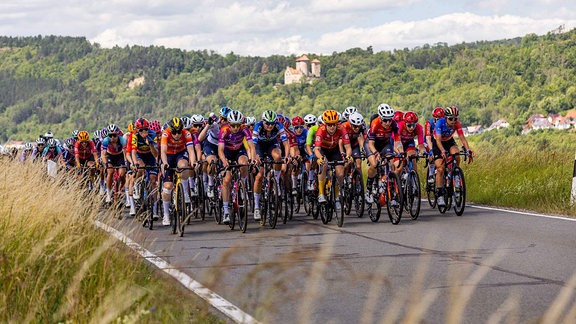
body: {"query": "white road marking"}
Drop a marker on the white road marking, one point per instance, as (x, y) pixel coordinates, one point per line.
(520, 212)
(224, 306)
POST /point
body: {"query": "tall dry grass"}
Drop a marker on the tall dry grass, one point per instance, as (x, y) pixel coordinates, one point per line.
(56, 266)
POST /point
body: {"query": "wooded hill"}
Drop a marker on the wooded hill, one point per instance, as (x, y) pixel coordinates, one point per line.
(65, 83)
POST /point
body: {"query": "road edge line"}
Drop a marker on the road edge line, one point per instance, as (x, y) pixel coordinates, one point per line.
(217, 301)
(521, 212)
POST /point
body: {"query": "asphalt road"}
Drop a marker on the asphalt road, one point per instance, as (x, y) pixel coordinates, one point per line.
(485, 265)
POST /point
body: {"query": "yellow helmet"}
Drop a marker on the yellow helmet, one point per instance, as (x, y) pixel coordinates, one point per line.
(330, 116)
(131, 127)
(176, 125)
(83, 136)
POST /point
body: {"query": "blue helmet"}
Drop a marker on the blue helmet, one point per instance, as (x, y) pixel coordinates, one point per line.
(225, 111)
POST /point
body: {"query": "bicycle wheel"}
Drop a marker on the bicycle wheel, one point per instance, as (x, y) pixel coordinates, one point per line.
(394, 203)
(150, 201)
(339, 214)
(274, 203)
(285, 196)
(459, 186)
(304, 192)
(180, 210)
(216, 202)
(430, 192)
(414, 195)
(200, 199)
(357, 196)
(241, 206)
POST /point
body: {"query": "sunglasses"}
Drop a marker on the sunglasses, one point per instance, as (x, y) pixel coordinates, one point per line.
(310, 125)
(331, 125)
(355, 126)
(452, 118)
(411, 125)
(178, 132)
(112, 135)
(298, 127)
(270, 123)
(235, 125)
(143, 130)
(386, 120)
(196, 125)
(223, 119)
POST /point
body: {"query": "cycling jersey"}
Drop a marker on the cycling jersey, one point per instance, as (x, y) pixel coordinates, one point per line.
(311, 135)
(429, 127)
(233, 141)
(406, 136)
(113, 148)
(377, 132)
(327, 141)
(354, 135)
(446, 132)
(138, 143)
(301, 139)
(292, 140)
(176, 146)
(260, 135)
(213, 133)
(51, 154)
(84, 150)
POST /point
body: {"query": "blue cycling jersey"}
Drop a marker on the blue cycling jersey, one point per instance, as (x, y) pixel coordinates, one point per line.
(260, 135)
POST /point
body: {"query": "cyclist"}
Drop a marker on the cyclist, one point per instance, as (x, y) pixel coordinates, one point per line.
(114, 155)
(231, 149)
(209, 137)
(398, 116)
(356, 130)
(267, 135)
(68, 153)
(380, 143)
(85, 152)
(301, 134)
(27, 153)
(444, 143)
(176, 150)
(51, 152)
(408, 131)
(327, 149)
(429, 128)
(349, 111)
(197, 123)
(143, 152)
(37, 151)
(250, 122)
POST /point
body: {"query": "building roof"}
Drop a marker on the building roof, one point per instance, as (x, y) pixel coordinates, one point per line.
(315, 60)
(302, 58)
(292, 70)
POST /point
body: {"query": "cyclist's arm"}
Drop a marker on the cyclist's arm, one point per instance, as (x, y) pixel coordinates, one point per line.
(221, 154)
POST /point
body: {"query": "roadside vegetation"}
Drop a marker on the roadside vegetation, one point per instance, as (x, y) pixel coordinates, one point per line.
(56, 266)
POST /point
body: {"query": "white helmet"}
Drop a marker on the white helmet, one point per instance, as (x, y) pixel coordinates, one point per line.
(48, 135)
(250, 120)
(28, 147)
(341, 118)
(197, 119)
(310, 119)
(385, 111)
(235, 117)
(349, 111)
(186, 122)
(320, 120)
(356, 119)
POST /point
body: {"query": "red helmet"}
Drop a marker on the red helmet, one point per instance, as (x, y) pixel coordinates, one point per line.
(438, 112)
(298, 121)
(398, 115)
(410, 117)
(142, 123)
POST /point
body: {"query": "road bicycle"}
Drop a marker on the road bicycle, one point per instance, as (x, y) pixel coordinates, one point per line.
(148, 198)
(214, 202)
(430, 183)
(198, 201)
(411, 185)
(354, 188)
(454, 185)
(327, 209)
(270, 199)
(238, 197)
(386, 190)
(178, 210)
(309, 197)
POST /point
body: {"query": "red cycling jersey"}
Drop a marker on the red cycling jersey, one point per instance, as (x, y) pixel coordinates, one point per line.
(377, 132)
(176, 146)
(405, 135)
(327, 141)
(353, 135)
(83, 150)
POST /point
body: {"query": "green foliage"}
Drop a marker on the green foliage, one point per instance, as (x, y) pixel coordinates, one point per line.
(66, 83)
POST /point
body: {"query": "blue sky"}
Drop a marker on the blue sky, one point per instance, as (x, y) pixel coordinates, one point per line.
(268, 27)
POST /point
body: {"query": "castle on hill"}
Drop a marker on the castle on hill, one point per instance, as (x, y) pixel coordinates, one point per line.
(301, 73)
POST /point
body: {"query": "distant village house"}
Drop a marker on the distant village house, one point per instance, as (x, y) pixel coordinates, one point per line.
(301, 73)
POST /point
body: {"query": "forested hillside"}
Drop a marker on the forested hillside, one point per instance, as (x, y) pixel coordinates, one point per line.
(66, 83)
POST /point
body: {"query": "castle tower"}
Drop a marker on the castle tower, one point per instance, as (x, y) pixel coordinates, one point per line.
(316, 68)
(302, 64)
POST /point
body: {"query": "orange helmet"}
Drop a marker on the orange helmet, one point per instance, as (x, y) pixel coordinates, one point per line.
(83, 136)
(330, 116)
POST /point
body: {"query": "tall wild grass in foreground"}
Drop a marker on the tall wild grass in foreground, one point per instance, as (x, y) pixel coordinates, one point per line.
(531, 172)
(56, 266)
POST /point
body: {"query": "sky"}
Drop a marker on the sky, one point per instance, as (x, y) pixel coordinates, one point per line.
(268, 27)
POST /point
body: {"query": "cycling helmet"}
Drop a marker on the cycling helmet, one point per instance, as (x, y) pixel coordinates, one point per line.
(165, 126)
(175, 125)
(349, 111)
(341, 118)
(97, 133)
(320, 120)
(113, 129)
(280, 118)
(70, 142)
(269, 116)
(41, 141)
(235, 117)
(155, 126)
(385, 111)
(330, 116)
(83, 136)
(142, 123)
(28, 147)
(438, 112)
(104, 133)
(398, 116)
(310, 119)
(75, 133)
(197, 119)
(186, 122)
(298, 121)
(356, 119)
(48, 135)
(250, 121)
(287, 123)
(410, 117)
(51, 143)
(451, 111)
(225, 111)
(130, 127)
